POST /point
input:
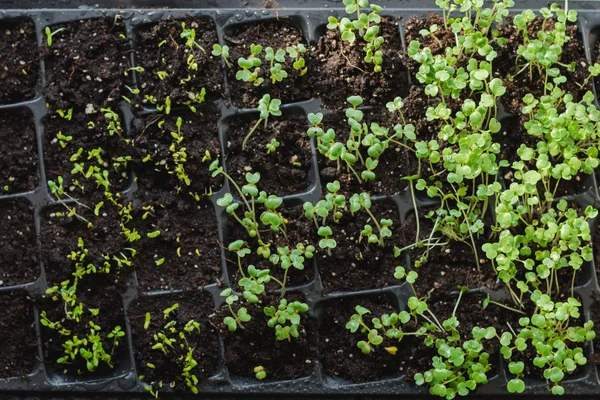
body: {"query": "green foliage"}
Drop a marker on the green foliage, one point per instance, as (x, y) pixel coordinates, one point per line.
(285, 319)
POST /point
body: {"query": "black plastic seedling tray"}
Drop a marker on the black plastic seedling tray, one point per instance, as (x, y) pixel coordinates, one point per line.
(310, 17)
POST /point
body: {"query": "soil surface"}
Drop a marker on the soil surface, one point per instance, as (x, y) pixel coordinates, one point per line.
(298, 230)
(284, 172)
(188, 245)
(19, 260)
(256, 344)
(278, 34)
(195, 306)
(92, 294)
(19, 65)
(595, 316)
(355, 265)
(395, 163)
(159, 47)
(86, 63)
(18, 356)
(343, 72)
(154, 159)
(19, 170)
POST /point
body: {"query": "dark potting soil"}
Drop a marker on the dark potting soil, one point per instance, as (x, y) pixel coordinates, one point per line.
(60, 236)
(337, 345)
(90, 134)
(94, 295)
(299, 229)
(19, 171)
(447, 266)
(195, 305)
(355, 265)
(86, 63)
(395, 162)
(279, 35)
(19, 260)
(154, 151)
(517, 87)
(256, 344)
(595, 317)
(186, 254)
(343, 72)
(282, 173)
(160, 47)
(17, 335)
(19, 65)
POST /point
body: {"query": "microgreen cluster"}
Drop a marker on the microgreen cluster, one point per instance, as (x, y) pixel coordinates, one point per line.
(364, 27)
(461, 364)
(250, 68)
(177, 343)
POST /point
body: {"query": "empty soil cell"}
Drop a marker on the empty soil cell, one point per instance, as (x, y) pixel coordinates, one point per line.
(168, 69)
(19, 169)
(279, 35)
(284, 172)
(19, 260)
(17, 335)
(518, 85)
(92, 294)
(298, 230)
(179, 245)
(343, 72)
(61, 234)
(19, 64)
(395, 162)
(355, 264)
(153, 365)
(79, 145)
(86, 63)
(339, 354)
(256, 345)
(165, 163)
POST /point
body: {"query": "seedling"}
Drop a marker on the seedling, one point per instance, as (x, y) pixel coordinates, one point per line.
(222, 51)
(260, 372)
(272, 146)
(266, 108)
(285, 318)
(50, 34)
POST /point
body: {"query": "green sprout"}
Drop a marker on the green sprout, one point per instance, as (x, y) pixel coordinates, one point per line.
(266, 108)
